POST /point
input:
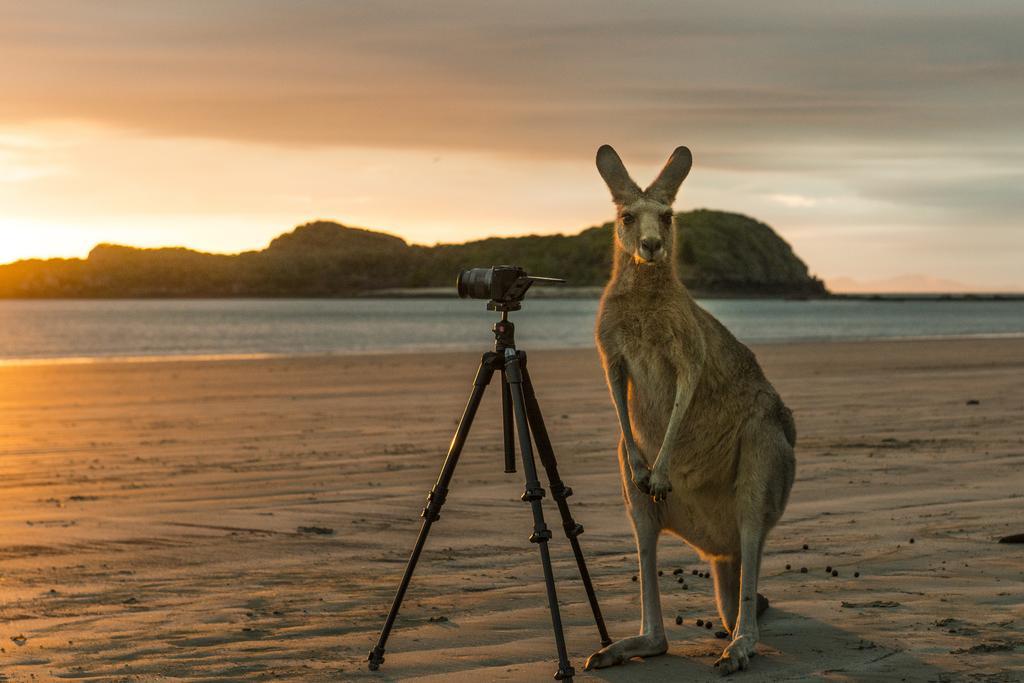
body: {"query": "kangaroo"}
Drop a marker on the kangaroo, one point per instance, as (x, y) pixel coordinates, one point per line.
(706, 446)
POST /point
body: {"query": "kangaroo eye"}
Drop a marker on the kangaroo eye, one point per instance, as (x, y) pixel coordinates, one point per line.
(628, 218)
(666, 218)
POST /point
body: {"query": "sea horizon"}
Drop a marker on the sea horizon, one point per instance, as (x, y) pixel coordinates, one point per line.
(66, 331)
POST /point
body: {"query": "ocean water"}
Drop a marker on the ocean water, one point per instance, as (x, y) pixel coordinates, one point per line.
(43, 331)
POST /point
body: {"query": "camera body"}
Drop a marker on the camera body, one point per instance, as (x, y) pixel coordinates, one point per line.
(503, 286)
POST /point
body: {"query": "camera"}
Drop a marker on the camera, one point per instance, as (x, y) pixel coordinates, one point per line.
(503, 286)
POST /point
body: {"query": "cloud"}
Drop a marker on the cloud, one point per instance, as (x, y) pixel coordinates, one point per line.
(532, 78)
(796, 201)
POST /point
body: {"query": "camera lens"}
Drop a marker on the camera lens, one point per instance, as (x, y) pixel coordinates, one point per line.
(475, 283)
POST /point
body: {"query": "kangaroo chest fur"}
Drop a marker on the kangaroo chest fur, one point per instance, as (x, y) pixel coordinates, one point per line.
(662, 341)
(648, 348)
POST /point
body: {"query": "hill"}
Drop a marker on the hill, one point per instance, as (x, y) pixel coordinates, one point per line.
(720, 254)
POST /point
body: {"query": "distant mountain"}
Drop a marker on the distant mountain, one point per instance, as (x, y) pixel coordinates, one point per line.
(720, 254)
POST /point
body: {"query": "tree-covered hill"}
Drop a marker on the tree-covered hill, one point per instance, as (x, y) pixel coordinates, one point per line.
(719, 253)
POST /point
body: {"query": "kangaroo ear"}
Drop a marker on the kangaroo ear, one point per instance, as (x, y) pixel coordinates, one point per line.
(611, 168)
(667, 183)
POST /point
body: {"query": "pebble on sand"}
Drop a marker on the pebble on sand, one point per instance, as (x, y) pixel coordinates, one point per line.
(788, 567)
(661, 573)
(634, 577)
(828, 569)
(700, 622)
(707, 625)
(806, 547)
(721, 634)
(679, 620)
(803, 570)
(856, 575)
(677, 571)
(835, 572)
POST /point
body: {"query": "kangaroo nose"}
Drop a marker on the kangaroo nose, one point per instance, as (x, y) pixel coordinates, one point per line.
(651, 244)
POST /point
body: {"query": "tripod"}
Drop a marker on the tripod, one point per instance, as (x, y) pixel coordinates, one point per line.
(521, 412)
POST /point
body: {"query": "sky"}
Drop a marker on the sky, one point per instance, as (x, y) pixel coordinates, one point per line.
(883, 140)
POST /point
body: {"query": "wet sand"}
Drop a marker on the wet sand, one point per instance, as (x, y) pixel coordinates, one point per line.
(152, 513)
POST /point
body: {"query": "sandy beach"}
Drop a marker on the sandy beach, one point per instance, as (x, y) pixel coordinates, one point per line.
(152, 515)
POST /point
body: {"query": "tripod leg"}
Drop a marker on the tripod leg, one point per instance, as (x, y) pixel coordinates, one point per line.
(559, 491)
(533, 494)
(508, 426)
(435, 499)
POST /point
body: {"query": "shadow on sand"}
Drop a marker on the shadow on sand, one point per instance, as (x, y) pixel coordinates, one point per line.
(792, 648)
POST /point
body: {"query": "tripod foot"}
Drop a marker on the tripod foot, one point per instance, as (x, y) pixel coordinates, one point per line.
(565, 674)
(376, 658)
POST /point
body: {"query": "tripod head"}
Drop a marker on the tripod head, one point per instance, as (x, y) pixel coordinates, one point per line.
(505, 286)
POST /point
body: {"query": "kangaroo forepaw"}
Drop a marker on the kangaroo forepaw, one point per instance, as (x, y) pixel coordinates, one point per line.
(623, 650)
(659, 486)
(642, 479)
(736, 656)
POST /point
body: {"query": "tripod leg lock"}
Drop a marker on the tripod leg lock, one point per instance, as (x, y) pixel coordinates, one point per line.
(532, 493)
(565, 674)
(540, 535)
(560, 492)
(573, 529)
(435, 499)
(376, 658)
